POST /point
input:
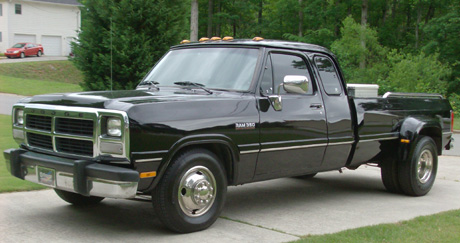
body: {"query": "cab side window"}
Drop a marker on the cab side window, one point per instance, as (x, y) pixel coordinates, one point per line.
(277, 67)
(329, 75)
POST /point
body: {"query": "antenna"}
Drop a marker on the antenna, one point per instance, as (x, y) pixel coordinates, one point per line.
(111, 57)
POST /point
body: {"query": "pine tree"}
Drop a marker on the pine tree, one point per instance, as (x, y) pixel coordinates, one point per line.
(123, 39)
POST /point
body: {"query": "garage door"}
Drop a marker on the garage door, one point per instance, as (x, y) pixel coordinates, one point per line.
(52, 45)
(23, 38)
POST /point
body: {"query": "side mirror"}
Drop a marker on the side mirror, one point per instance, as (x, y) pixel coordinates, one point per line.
(296, 84)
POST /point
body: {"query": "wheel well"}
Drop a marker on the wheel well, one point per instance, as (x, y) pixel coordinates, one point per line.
(221, 151)
(435, 134)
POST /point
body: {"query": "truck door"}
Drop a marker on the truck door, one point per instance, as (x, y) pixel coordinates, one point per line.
(338, 113)
(293, 140)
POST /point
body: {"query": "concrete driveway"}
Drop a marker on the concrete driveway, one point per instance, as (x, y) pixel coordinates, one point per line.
(7, 101)
(31, 59)
(273, 211)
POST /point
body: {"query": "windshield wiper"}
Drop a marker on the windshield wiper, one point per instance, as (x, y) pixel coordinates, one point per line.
(150, 84)
(192, 84)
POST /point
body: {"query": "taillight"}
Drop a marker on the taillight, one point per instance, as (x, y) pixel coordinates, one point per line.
(452, 121)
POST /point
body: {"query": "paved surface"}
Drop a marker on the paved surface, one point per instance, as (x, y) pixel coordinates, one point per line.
(273, 211)
(7, 101)
(31, 59)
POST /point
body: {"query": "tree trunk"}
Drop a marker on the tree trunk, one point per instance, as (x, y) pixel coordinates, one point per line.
(364, 8)
(259, 18)
(210, 11)
(194, 21)
(300, 18)
(419, 18)
(219, 9)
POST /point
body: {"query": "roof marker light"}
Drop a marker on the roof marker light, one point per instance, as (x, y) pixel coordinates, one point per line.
(203, 39)
(215, 38)
(257, 38)
(185, 42)
(227, 38)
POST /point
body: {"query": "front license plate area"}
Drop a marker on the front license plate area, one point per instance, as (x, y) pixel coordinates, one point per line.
(46, 176)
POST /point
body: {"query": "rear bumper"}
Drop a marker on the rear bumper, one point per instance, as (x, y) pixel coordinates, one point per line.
(84, 177)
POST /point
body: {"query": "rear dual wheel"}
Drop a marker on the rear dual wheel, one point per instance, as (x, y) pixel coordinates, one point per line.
(416, 175)
(192, 192)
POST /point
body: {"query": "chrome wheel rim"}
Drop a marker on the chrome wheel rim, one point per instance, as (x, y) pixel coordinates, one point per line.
(425, 166)
(197, 191)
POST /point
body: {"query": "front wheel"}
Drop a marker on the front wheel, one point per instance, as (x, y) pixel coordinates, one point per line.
(418, 172)
(192, 192)
(39, 53)
(23, 55)
(77, 199)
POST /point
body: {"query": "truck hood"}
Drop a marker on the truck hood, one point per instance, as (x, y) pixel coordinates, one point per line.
(124, 100)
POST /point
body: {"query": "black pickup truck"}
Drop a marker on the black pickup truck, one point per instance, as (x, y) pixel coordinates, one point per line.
(221, 113)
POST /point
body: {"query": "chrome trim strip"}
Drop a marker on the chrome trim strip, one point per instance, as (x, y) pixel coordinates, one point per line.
(147, 160)
(411, 95)
(447, 133)
(249, 151)
(377, 139)
(341, 143)
(293, 147)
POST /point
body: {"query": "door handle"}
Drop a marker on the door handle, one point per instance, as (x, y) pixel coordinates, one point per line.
(316, 106)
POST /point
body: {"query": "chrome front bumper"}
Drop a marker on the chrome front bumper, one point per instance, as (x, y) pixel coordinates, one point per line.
(79, 176)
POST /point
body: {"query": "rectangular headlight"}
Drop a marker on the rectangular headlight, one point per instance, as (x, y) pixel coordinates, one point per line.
(114, 127)
(19, 117)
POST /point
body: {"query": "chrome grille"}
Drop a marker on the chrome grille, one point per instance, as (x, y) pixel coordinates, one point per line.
(74, 126)
(39, 122)
(73, 146)
(40, 141)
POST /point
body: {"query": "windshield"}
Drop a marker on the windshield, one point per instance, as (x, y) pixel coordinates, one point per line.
(218, 68)
(19, 45)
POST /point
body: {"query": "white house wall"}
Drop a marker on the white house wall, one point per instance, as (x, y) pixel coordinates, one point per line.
(4, 26)
(43, 19)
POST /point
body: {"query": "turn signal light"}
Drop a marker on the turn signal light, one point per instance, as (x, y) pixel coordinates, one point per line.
(148, 174)
(405, 141)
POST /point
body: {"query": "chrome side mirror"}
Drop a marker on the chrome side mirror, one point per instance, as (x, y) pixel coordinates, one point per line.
(275, 100)
(296, 84)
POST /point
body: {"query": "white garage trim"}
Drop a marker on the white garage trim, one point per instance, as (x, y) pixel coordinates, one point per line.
(52, 45)
(20, 38)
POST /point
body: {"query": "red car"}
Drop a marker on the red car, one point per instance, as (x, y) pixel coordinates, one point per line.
(24, 49)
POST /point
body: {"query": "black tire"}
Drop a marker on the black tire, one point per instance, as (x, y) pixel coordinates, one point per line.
(389, 173)
(8, 57)
(170, 202)
(23, 55)
(307, 176)
(39, 53)
(415, 181)
(77, 199)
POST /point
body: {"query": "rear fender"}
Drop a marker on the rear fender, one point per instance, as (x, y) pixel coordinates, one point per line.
(414, 127)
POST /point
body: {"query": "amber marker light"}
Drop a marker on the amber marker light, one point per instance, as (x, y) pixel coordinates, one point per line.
(203, 39)
(215, 38)
(148, 174)
(227, 38)
(405, 141)
(257, 38)
(185, 42)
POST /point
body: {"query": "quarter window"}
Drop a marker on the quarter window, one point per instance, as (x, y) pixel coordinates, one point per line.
(17, 9)
(329, 75)
(277, 67)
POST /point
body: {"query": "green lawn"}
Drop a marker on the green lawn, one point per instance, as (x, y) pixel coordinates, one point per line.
(457, 122)
(30, 87)
(8, 183)
(58, 71)
(443, 227)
